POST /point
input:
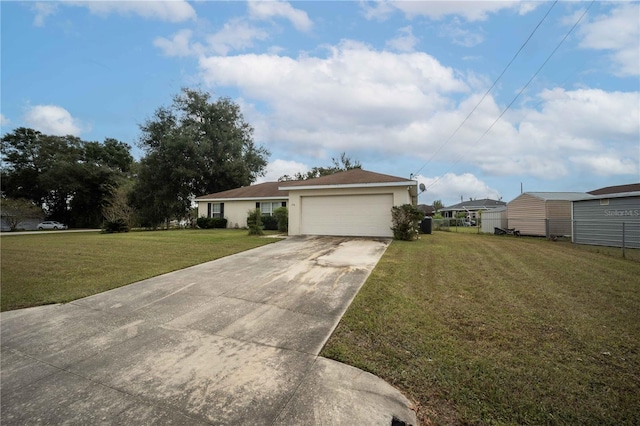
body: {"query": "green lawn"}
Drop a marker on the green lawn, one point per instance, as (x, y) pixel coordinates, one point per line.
(480, 329)
(59, 267)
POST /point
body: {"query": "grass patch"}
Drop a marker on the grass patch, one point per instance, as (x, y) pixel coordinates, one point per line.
(60, 267)
(495, 330)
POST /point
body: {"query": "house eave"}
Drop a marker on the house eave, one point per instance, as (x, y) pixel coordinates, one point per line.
(348, 185)
(222, 200)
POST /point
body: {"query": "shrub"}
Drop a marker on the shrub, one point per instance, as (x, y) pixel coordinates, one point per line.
(211, 222)
(405, 220)
(202, 222)
(269, 223)
(282, 216)
(113, 226)
(254, 222)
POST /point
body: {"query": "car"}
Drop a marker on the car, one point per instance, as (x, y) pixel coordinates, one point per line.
(51, 224)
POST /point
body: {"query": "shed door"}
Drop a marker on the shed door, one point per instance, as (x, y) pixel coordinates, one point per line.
(347, 215)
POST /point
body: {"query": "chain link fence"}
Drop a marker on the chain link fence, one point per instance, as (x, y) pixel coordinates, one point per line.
(612, 233)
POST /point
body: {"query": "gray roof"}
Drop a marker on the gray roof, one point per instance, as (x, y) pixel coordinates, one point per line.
(484, 204)
(612, 195)
(560, 196)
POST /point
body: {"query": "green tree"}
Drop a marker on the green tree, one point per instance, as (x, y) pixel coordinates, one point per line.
(14, 211)
(196, 146)
(405, 219)
(254, 222)
(69, 177)
(340, 164)
(282, 216)
(437, 206)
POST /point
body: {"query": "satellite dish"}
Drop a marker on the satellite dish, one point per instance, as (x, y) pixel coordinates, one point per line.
(422, 187)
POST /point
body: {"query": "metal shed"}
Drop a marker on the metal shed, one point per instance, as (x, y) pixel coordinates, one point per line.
(543, 214)
(495, 218)
(607, 220)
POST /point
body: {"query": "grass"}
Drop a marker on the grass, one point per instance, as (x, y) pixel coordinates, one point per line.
(482, 329)
(60, 267)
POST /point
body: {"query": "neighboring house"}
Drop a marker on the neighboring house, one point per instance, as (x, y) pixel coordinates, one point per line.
(543, 214)
(471, 208)
(618, 189)
(427, 209)
(235, 204)
(608, 219)
(351, 203)
(355, 202)
(494, 218)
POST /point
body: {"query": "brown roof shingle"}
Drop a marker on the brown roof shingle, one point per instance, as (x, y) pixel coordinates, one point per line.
(632, 187)
(270, 189)
(353, 176)
(261, 190)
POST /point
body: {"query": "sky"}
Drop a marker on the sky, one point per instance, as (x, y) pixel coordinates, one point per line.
(475, 99)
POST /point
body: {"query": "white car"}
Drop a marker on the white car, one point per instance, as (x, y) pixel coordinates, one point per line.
(51, 224)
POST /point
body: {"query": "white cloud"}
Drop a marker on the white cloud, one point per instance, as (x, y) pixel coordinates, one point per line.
(179, 44)
(450, 187)
(42, 10)
(165, 10)
(389, 105)
(236, 34)
(52, 119)
(460, 35)
(469, 10)
(619, 32)
(269, 9)
(278, 168)
(4, 121)
(405, 41)
(607, 164)
(590, 113)
(379, 10)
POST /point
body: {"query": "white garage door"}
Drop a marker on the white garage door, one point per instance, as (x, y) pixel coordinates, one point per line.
(349, 215)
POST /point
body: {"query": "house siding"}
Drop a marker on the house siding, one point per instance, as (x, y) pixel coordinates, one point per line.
(600, 222)
(527, 214)
(400, 196)
(235, 211)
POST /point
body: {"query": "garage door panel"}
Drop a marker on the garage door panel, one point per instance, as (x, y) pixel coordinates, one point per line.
(348, 215)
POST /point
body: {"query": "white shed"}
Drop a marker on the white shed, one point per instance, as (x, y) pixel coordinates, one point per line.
(494, 218)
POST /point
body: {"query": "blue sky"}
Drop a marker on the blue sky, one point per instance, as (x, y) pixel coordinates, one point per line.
(386, 82)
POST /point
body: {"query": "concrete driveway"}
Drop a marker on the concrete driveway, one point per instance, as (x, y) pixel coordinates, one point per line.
(232, 341)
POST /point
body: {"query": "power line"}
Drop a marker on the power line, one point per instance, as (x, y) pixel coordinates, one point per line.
(521, 90)
(488, 90)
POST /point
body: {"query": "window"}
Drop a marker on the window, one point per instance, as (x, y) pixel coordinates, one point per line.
(268, 208)
(604, 201)
(215, 210)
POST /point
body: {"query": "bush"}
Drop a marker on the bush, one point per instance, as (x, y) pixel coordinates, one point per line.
(269, 223)
(211, 222)
(254, 222)
(219, 222)
(282, 216)
(405, 219)
(113, 226)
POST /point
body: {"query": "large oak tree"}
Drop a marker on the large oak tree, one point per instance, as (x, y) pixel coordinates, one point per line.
(194, 147)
